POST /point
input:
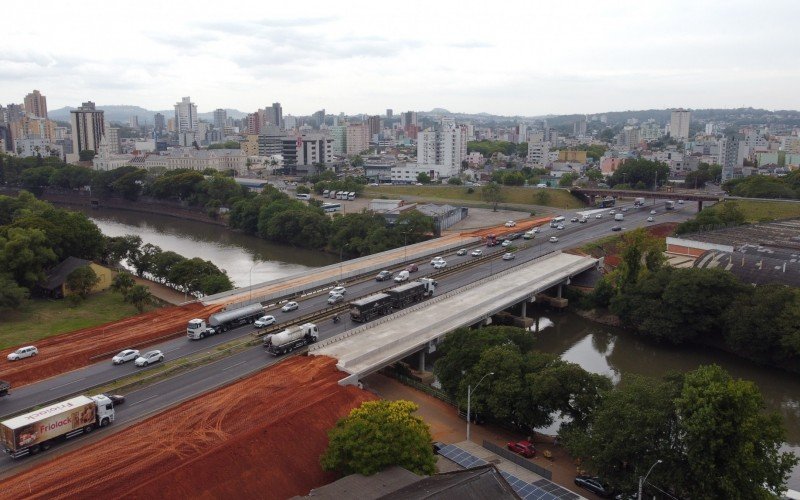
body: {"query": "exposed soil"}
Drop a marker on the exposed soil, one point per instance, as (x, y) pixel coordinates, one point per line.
(522, 226)
(258, 438)
(62, 353)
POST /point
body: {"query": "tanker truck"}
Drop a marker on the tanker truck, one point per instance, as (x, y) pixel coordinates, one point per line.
(38, 430)
(223, 321)
(291, 338)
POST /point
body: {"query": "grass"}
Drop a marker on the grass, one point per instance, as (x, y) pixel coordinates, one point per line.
(767, 210)
(558, 198)
(41, 318)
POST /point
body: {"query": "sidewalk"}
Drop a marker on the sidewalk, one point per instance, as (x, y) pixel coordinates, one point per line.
(162, 292)
(446, 426)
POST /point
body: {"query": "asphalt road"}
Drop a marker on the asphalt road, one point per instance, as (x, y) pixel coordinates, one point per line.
(166, 393)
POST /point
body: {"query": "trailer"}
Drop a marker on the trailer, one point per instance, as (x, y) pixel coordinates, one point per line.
(223, 321)
(291, 338)
(5, 388)
(380, 304)
(369, 307)
(38, 430)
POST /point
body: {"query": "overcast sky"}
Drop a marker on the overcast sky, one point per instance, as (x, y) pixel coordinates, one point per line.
(506, 57)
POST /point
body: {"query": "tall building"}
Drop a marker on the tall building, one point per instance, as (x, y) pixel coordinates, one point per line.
(159, 125)
(270, 141)
(220, 117)
(679, 124)
(133, 121)
(275, 115)
(374, 125)
(88, 126)
(319, 118)
(185, 115)
(13, 112)
(253, 124)
(579, 128)
(732, 151)
(36, 104)
(522, 133)
(389, 113)
(339, 135)
(112, 140)
(539, 153)
(442, 149)
(357, 138)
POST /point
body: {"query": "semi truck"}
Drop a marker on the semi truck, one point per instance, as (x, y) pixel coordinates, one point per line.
(378, 304)
(5, 388)
(291, 338)
(638, 202)
(223, 321)
(38, 430)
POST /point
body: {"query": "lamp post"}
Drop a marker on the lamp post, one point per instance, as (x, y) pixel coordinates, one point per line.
(341, 253)
(469, 400)
(250, 273)
(643, 479)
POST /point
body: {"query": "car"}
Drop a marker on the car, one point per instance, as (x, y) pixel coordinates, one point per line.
(524, 448)
(505, 243)
(264, 321)
(612, 212)
(412, 268)
(616, 228)
(23, 352)
(384, 275)
(509, 256)
(574, 219)
(598, 216)
(536, 230)
(652, 212)
(510, 223)
(514, 236)
(125, 356)
(436, 259)
(583, 220)
(290, 306)
(624, 209)
(560, 227)
(149, 357)
(650, 219)
(117, 399)
(338, 290)
(477, 252)
(680, 202)
(335, 298)
(462, 251)
(441, 264)
(553, 239)
(593, 484)
(401, 277)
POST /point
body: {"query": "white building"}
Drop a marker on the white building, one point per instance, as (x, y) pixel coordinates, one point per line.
(194, 159)
(442, 150)
(357, 139)
(679, 124)
(88, 126)
(185, 115)
(37, 146)
(539, 153)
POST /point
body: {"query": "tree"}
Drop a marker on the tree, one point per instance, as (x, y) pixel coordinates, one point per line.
(357, 161)
(566, 180)
(514, 179)
(139, 296)
(542, 197)
(492, 193)
(377, 435)
(423, 178)
(82, 280)
(454, 181)
(302, 190)
(11, 294)
(122, 283)
(86, 155)
(118, 248)
(594, 174)
(24, 254)
(640, 253)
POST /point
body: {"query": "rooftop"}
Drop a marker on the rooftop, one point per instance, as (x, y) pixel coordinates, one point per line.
(778, 234)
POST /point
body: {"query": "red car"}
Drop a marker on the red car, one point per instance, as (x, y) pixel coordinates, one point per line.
(524, 448)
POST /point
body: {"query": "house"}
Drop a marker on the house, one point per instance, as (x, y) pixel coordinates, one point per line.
(55, 285)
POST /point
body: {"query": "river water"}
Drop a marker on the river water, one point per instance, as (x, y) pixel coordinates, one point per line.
(597, 348)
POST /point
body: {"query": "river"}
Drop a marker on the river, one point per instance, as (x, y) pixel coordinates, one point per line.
(597, 348)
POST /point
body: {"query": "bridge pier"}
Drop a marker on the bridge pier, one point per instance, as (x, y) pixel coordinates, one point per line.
(421, 360)
(699, 205)
(558, 294)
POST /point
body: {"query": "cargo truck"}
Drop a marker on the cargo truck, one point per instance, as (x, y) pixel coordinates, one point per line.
(638, 202)
(398, 297)
(291, 338)
(38, 430)
(223, 321)
(5, 388)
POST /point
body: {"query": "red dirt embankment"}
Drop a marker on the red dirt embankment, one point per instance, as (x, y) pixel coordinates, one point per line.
(522, 225)
(258, 438)
(69, 351)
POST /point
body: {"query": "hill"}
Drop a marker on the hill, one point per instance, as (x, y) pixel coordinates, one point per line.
(122, 113)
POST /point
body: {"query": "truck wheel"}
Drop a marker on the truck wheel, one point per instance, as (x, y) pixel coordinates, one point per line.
(88, 429)
(104, 422)
(46, 445)
(33, 450)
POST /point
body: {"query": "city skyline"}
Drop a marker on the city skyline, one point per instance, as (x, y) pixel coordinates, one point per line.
(524, 59)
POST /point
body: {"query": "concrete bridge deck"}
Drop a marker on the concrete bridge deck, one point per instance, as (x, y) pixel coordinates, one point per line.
(370, 347)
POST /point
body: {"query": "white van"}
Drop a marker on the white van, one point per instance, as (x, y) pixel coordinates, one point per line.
(401, 277)
(303, 196)
(326, 194)
(351, 195)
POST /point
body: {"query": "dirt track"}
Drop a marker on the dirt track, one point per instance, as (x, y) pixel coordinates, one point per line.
(258, 438)
(62, 353)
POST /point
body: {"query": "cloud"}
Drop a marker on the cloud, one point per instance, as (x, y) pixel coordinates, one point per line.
(471, 44)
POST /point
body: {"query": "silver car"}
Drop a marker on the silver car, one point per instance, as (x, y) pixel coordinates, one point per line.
(125, 356)
(149, 357)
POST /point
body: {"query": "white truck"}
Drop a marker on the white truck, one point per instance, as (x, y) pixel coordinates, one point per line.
(291, 338)
(223, 321)
(638, 202)
(38, 430)
(619, 216)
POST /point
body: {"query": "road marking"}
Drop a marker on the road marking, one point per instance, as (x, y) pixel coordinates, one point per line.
(143, 400)
(171, 350)
(68, 383)
(237, 364)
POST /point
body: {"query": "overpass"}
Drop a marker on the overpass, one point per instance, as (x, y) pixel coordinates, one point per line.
(593, 193)
(370, 347)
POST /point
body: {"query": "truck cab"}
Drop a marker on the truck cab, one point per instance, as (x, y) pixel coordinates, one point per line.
(105, 409)
(197, 329)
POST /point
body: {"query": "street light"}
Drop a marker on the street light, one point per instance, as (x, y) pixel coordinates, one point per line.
(251, 278)
(469, 400)
(643, 479)
(341, 253)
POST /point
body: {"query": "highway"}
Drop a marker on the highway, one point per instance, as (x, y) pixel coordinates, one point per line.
(166, 393)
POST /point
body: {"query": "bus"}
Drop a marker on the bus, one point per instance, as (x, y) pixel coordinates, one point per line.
(331, 207)
(557, 220)
(670, 205)
(303, 196)
(606, 202)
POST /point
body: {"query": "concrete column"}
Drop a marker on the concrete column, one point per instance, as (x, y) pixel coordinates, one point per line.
(559, 290)
(536, 328)
(524, 308)
(699, 205)
(422, 360)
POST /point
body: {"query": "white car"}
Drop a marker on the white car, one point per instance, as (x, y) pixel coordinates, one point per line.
(652, 212)
(264, 321)
(553, 239)
(574, 219)
(505, 243)
(436, 259)
(462, 251)
(440, 264)
(598, 216)
(612, 212)
(125, 356)
(401, 277)
(650, 219)
(510, 223)
(477, 252)
(335, 298)
(508, 256)
(536, 230)
(338, 289)
(680, 202)
(23, 352)
(149, 357)
(290, 306)
(560, 227)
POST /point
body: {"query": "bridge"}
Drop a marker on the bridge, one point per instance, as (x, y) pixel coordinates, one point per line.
(368, 348)
(592, 193)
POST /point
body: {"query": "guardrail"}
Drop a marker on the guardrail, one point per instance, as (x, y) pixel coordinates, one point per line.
(517, 459)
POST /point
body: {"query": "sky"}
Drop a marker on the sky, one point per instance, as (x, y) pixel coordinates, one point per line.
(512, 58)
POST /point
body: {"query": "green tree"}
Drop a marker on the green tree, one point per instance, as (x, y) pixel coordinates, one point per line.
(640, 253)
(24, 254)
(423, 178)
(514, 179)
(118, 248)
(454, 181)
(542, 197)
(566, 180)
(82, 280)
(594, 174)
(86, 155)
(377, 435)
(302, 190)
(139, 296)
(493, 194)
(11, 294)
(357, 161)
(122, 283)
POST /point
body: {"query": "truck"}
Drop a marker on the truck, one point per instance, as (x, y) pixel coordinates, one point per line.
(638, 202)
(379, 304)
(223, 321)
(670, 205)
(619, 216)
(5, 388)
(291, 338)
(38, 430)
